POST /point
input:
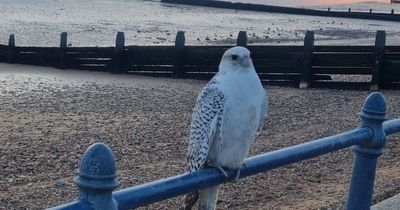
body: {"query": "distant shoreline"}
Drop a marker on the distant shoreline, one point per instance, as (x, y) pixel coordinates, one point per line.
(289, 10)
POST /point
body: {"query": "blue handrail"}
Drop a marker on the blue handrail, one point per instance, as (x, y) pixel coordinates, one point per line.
(367, 142)
(167, 188)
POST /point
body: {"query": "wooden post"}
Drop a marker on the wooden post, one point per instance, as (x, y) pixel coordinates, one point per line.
(305, 74)
(329, 9)
(118, 58)
(242, 39)
(349, 9)
(179, 54)
(63, 50)
(392, 12)
(11, 49)
(380, 41)
(370, 11)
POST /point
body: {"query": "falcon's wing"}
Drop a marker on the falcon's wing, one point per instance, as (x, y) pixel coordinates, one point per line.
(262, 117)
(206, 119)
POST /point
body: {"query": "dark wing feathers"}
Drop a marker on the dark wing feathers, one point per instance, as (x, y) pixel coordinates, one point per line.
(206, 119)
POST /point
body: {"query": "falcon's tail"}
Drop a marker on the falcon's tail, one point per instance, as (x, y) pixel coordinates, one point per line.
(207, 198)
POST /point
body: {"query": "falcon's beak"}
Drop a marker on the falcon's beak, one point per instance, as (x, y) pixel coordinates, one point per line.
(245, 62)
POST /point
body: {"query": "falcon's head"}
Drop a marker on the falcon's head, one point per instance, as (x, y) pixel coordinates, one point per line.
(236, 59)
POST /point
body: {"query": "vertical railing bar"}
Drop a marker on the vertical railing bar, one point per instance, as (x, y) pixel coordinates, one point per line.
(365, 162)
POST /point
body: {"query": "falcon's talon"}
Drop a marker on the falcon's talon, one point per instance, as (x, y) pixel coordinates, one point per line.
(222, 171)
(219, 169)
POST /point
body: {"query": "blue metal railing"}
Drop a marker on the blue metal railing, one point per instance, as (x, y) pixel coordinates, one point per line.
(367, 142)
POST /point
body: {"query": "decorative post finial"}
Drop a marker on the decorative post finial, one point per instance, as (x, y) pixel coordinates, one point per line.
(362, 181)
(97, 177)
(372, 115)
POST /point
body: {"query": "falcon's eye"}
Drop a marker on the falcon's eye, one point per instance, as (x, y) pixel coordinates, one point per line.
(234, 57)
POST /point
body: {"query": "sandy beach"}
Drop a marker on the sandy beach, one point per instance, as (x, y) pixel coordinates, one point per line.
(50, 116)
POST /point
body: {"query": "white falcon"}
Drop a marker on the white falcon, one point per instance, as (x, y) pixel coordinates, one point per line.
(228, 115)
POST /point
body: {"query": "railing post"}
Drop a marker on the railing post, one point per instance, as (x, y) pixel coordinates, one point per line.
(97, 177)
(242, 39)
(63, 50)
(362, 181)
(11, 49)
(118, 60)
(380, 41)
(305, 74)
(179, 55)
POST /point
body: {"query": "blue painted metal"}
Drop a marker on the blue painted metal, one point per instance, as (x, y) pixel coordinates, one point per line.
(362, 181)
(167, 188)
(391, 127)
(369, 140)
(74, 205)
(96, 180)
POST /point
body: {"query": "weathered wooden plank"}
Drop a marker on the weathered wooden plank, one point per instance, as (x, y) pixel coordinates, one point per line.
(191, 53)
(277, 55)
(150, 74)
(91, 49)
(323, 48)
(205, 76)
(88, 56)
(199, 60)
(153, 68)
(149, 60)
(90, 67)
(36, 58)
(151, 56)
(216, 52)
(341, 85)
(275, 48)
(200, 68)
(342, 70)
(294, 77)
(343, 59)
(287, 83)
(91, 61)
(35, 49)
(277, 69)
(392, 48)
(392, 71)
(277, 62)
(193, 60)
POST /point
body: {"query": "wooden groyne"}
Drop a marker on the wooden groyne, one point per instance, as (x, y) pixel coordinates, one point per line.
(302, 66)
(289, 10)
